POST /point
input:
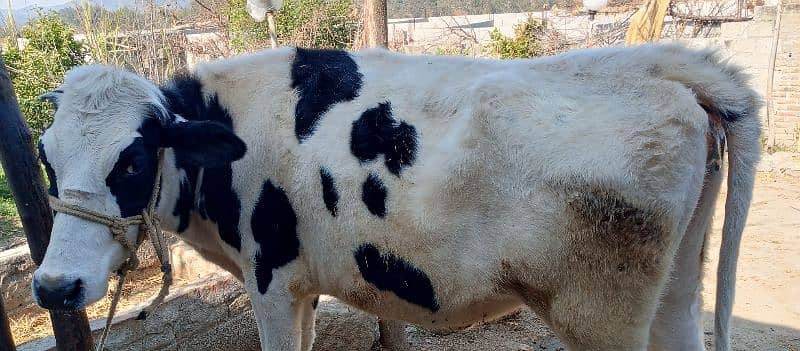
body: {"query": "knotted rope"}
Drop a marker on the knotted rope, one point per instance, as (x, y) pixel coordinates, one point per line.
(149, 227)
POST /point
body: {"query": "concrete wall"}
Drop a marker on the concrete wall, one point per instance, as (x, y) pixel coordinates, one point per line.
(749, 44)
(746, 43)
(425, 35)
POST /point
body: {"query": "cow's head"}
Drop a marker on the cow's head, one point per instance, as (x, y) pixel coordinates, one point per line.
(101, 153)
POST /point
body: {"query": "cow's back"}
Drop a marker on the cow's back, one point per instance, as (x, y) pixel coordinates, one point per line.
(463, 172)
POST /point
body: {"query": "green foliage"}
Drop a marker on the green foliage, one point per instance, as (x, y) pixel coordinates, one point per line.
(40, 65)
(310, 23)
(7, 207)
(9, 221)
(524, 44)
(453, 51)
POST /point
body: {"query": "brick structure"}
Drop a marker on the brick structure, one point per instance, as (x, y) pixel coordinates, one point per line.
(786, 86)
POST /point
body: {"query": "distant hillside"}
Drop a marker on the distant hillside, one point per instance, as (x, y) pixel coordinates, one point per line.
(66, 9)
(22, 15)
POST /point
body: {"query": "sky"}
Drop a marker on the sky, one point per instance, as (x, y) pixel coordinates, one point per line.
(18, 4)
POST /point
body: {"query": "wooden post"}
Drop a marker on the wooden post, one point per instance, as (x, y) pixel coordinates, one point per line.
(24, 175)
(376, 31)
(6, 339)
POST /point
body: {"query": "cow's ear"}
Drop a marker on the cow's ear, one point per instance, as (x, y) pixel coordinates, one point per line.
(52, 96)
(205, 144)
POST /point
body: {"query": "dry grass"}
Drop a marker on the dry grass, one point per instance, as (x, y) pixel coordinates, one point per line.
(35, 322)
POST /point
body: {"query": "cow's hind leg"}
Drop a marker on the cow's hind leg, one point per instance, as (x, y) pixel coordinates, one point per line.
(602, 320)
(604, 288)
(678, 324)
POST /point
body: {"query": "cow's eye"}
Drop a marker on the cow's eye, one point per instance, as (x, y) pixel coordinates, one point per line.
(134, 168)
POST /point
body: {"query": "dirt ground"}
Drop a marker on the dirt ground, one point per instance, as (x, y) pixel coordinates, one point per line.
(766, 313)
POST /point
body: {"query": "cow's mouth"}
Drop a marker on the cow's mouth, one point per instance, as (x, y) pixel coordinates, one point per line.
(66, 297)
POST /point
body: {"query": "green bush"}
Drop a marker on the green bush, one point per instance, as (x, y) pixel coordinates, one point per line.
(524, 44)
(9, 220)
(309, 23)
(40, 65)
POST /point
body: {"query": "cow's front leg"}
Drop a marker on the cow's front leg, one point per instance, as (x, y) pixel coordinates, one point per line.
(308, 313)
(279, 315)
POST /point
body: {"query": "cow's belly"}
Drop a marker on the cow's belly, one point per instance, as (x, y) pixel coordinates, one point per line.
(387, 305)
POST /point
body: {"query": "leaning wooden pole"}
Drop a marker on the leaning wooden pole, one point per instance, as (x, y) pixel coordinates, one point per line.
(71, 329)
(6, 339)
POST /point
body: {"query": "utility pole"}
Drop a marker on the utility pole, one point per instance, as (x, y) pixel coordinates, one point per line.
(376, 25)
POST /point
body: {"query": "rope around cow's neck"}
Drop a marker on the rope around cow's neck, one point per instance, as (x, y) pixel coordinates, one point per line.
(149, 226)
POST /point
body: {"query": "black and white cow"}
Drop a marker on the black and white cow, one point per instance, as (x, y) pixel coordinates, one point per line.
(440, 191)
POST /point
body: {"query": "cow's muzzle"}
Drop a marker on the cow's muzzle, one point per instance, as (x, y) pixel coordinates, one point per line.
(58, 293)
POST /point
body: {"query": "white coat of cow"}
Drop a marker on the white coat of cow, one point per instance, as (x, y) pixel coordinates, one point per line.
(439, 191)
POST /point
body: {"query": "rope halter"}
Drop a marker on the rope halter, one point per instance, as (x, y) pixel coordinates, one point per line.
(149, 226)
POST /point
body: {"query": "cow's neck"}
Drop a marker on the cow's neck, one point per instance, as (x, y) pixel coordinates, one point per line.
(179, 214)
(171, 180)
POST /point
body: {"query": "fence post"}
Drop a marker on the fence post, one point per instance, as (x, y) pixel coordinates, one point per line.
(71, 328)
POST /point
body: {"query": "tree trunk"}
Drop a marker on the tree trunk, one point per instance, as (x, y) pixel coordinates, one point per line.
(376, 31)
(71, 329)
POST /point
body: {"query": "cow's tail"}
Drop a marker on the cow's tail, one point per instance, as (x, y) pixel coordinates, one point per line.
(723, 91)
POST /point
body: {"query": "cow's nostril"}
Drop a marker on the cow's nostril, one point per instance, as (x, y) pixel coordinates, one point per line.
(64, 296)
(51, 279)
(74, 292)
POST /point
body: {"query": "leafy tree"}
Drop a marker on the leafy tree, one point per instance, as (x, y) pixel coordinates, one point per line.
(49, 51)
(313, 23)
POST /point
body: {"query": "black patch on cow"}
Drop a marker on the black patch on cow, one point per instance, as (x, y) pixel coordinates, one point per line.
(218, 201)
(315, 302)
(322, 78)
(374, 195)
(391, 273)
(329, 193)
(377, 132)
(274, 226)
(219, 146)
(132, 178)
(185, 202)
(51, 175)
